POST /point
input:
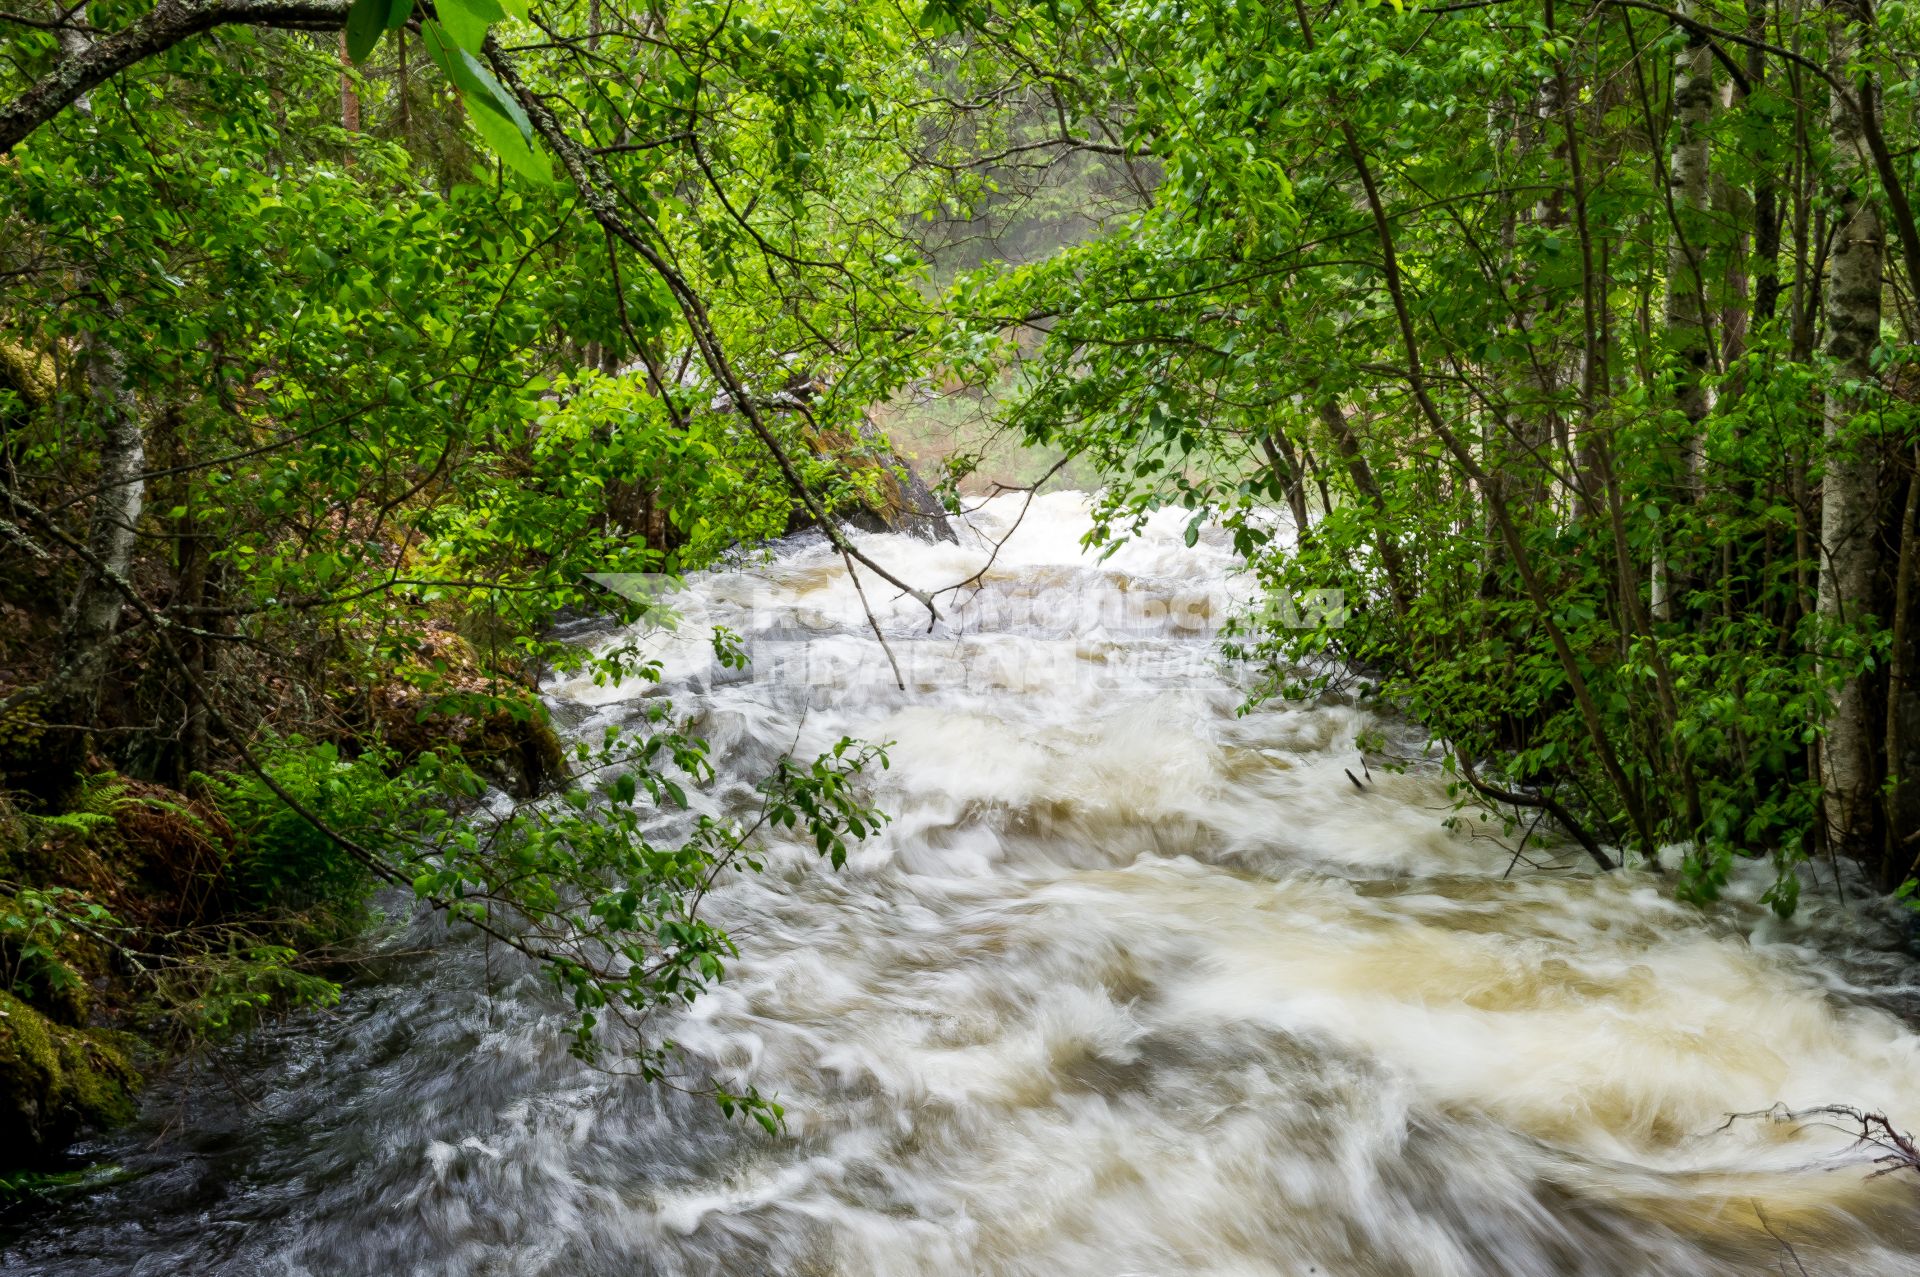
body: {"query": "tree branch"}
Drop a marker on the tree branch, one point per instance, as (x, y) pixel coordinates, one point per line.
(170, 23)
(1543, 801)
(589, 177)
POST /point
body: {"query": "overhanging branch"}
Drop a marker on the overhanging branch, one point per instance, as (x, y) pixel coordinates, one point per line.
(589, 177)
(170, 23)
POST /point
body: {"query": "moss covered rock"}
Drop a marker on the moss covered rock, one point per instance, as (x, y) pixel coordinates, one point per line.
(54, 1080)
(446, 696)
(895, 498)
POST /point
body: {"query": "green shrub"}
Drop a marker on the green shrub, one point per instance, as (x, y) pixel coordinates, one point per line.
(37, 925)
(282, 862)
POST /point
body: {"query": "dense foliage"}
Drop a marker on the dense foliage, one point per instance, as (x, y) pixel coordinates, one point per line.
(1578, 344)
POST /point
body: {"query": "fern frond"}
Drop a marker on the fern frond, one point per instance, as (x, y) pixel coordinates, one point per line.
(102, 794)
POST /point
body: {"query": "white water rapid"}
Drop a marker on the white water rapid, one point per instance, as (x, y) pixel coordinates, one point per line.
(1132, 985)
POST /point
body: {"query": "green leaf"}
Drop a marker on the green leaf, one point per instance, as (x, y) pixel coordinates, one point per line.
(494, 112)
(398, 11)
(467, 20)
(475, 82)
(365, 21)
(510, 144)
(938, 18)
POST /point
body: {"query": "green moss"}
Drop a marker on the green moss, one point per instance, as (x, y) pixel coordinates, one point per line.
(55, 1080)
(27, 373)
(99, 1076)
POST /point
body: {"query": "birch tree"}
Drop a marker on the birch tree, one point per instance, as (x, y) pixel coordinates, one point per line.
(1849, 488)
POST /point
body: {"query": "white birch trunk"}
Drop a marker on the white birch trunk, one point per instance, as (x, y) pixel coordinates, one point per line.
(1849, 494)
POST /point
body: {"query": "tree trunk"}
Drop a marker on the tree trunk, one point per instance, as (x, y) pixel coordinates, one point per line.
(1688, 183)
(1291, 477)
(349, 100)
(1849, 490)
(1903, 696)
(93, 614)
(1688, 180)
(1766, 193)
(192, 550)
(1361, 473)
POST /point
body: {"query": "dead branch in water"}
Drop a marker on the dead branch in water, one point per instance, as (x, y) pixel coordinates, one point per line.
(1543, 800)
(1899, 1150)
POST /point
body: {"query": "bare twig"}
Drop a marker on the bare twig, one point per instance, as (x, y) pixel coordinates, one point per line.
(1784, 1243)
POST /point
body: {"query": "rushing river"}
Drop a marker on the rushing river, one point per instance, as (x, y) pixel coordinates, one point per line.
(1132, 985)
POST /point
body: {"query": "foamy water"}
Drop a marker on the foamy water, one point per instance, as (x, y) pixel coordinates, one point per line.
(1132, 984)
